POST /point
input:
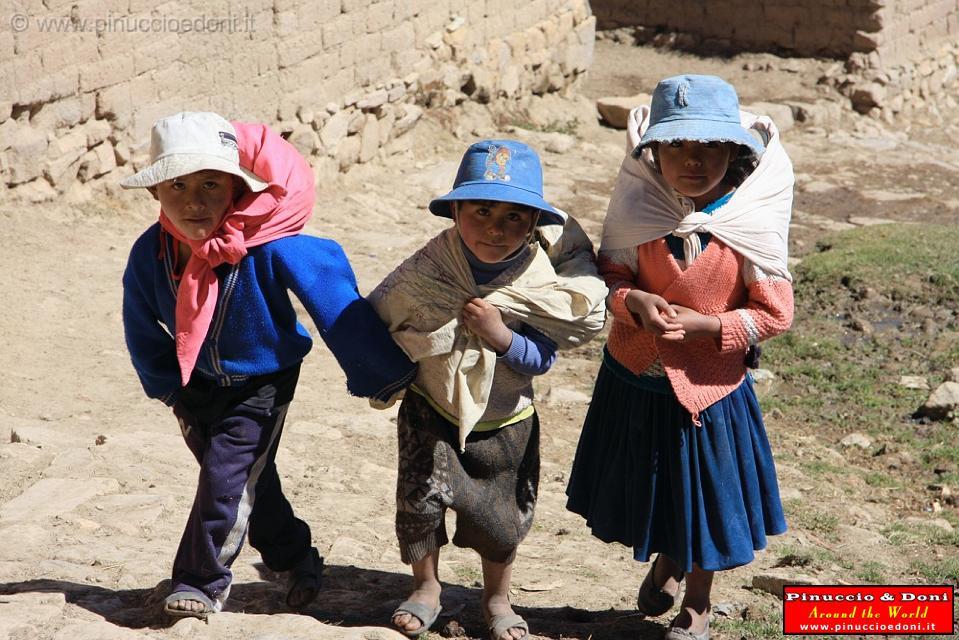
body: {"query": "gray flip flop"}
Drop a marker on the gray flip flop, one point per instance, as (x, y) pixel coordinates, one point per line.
(498, 625)
(426, 615)
(178, 596)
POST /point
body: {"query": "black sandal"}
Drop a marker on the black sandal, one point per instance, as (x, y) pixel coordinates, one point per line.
(306, 579)
(651, 600)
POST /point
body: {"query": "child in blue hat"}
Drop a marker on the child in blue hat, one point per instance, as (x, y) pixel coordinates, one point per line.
(673, 458)
(483, 308)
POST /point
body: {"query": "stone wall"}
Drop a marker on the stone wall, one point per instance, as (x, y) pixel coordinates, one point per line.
(910, 28)
(805, 27)
(896, 29)
(910, 63)
(901, 55)
(81, 82)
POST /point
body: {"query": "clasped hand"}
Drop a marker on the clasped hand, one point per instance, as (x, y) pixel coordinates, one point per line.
(670, 321)
(486, 321)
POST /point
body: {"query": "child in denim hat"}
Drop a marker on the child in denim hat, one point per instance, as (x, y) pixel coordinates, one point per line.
(212, 333)
(483, 307)
(673, 458)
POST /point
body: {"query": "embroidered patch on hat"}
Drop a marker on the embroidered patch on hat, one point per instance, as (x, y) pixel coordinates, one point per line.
(227, 139)
(498, 163)
(681, 95)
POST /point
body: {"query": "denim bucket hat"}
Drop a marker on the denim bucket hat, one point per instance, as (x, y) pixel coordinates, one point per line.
(694, 107)
(502, 171)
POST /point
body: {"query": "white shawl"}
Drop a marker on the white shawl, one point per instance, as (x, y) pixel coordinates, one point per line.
(754, 222)
(556, 291)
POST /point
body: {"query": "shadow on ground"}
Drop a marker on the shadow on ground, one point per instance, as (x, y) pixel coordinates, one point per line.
(351, 596)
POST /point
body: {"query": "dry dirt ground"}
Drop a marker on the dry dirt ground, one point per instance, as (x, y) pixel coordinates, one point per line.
(95, 482)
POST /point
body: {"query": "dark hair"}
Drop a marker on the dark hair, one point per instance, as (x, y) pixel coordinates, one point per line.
(240, 189)
(744, 162)
(741, 166)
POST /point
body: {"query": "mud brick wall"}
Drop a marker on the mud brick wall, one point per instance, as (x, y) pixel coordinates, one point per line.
(895, 29)
(82, 81)
(901, 55)
(911, 29)
(807, 27)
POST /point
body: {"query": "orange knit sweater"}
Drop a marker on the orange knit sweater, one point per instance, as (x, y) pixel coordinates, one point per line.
(750, 304)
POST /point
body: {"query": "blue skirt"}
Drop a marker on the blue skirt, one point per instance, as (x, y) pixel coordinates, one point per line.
(646, 477)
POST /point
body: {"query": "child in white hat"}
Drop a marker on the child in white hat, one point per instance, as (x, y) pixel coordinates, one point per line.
(212, 333)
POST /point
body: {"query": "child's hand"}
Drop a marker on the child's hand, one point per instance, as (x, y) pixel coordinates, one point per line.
(486, 321)
(696, 324)
(655, 314)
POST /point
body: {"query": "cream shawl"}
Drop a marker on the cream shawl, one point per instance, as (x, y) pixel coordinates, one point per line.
(556, 290)
(754, 223)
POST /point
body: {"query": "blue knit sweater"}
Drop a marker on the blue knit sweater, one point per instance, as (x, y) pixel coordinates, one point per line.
(254, 330)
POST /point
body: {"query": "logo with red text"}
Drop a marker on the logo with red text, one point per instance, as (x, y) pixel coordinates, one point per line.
(872, 609)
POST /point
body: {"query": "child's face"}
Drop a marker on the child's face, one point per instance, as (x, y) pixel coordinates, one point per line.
(696, 169)
(493, 230)
(196, 203)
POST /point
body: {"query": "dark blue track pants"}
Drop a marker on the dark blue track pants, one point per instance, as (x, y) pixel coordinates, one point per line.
(234, 433)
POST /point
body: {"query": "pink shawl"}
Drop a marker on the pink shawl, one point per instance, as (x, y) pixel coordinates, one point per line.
(281, 210)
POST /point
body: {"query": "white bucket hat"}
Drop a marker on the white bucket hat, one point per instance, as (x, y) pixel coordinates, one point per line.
(192, 141)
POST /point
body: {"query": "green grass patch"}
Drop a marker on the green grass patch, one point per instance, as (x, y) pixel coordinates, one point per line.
(942, 451)
(818, 468)
(838, 380)
(882, 481)
(810, 558)
(951, 517)
(900, 533)
(871, 572)
(833, 384)
(902, 261)
(811, 519)
(945, 571)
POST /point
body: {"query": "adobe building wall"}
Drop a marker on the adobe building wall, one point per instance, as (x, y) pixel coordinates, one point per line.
(901, 55)
(896, 29)
(82, 81)
(804, 27)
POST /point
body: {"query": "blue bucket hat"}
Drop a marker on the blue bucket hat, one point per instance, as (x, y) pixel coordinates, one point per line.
(501, 171)
(694, 107)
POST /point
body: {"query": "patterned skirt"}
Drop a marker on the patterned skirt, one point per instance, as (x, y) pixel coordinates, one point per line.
(645, 476)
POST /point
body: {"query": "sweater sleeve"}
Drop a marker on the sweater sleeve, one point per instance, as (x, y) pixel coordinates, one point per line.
(152, 349)
(530, 352)
(767, 313)
(320, 276)
(618, 269)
